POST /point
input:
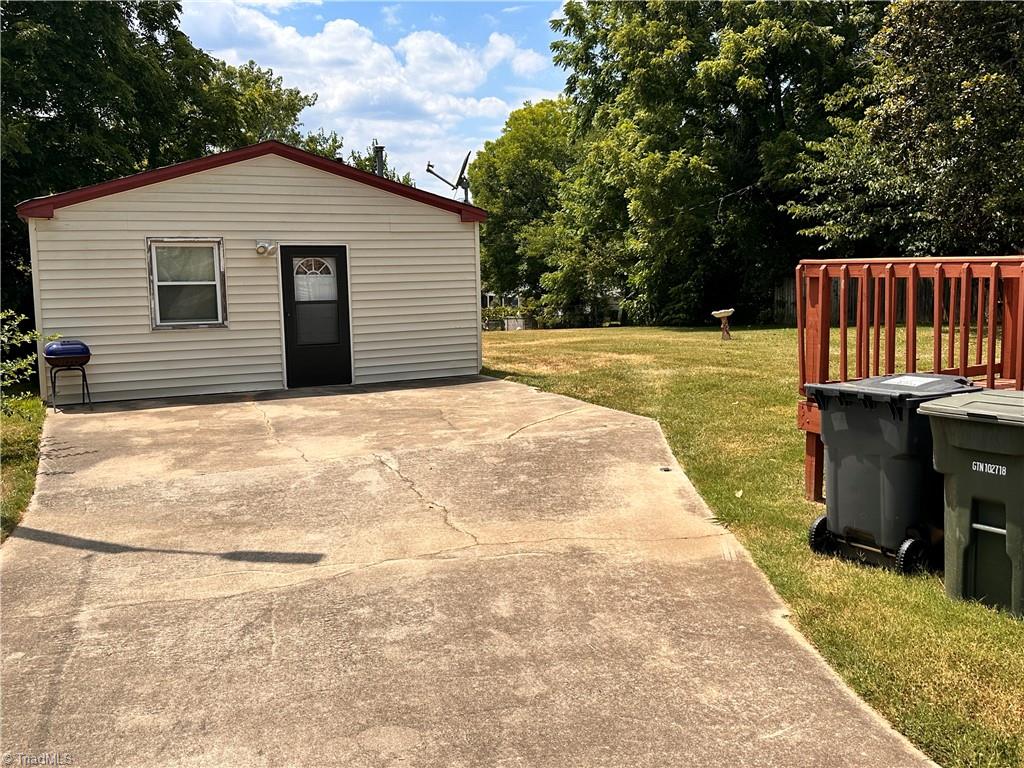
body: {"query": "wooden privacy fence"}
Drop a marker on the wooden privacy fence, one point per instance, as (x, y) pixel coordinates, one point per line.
(975, 328)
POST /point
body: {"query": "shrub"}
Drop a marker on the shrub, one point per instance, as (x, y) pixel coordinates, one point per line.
(529, 308)
(15, 372)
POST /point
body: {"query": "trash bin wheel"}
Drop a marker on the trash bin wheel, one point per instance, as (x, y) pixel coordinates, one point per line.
(819, 538)
(911, 556)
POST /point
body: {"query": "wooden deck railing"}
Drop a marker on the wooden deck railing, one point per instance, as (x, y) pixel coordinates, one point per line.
(975, 325)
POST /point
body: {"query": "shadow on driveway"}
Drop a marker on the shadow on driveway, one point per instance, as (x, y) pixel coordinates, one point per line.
(110, 548)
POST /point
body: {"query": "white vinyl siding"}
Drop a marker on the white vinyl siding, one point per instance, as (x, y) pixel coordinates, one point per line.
(413, 279)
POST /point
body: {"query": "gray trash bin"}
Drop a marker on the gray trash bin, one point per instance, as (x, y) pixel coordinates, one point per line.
(979, 448)
(883, 499)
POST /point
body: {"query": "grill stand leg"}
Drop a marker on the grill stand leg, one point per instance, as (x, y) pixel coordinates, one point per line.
(86, 393)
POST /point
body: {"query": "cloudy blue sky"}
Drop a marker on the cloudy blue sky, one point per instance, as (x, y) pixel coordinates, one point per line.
(430, 80)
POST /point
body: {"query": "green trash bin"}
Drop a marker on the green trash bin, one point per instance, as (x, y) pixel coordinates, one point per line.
(978, 442)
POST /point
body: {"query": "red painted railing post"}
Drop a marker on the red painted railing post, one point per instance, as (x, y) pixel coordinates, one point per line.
(863, 319)
(911, 319)
(844, 279)
(801, 322)
(937, 319)
(965, 314)
(877, 325)
(980, 319)
(1015, 299)
(1006, 343)
(993, 294)
(951, 356)
(890, 318)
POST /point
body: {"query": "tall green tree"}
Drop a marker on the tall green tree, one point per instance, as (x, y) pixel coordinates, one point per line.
(516, 177)
(696, 113)
(935, 163)
(585, 241)
(92, 91)
(256, 106)
(250, 104)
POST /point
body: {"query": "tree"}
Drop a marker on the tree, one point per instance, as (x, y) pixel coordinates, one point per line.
(585, 239)
(516, 177)
(320, 142)
(83, 92)
(256, 105)
(253, 105)
(367, 161)
(934, 163)
(93, 91)
(696, 114)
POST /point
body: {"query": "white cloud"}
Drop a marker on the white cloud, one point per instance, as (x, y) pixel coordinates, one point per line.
(390, 14)
(527, 62)
(514, 9)
(419, 97)
(434, 61)
(499, 48)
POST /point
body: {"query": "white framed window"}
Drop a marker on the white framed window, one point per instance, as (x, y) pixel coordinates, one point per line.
(187, 276)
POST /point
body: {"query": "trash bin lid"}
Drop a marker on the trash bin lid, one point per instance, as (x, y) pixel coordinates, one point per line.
(1003, 405)
(897, 388)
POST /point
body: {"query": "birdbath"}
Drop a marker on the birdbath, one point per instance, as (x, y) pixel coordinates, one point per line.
(723, 315)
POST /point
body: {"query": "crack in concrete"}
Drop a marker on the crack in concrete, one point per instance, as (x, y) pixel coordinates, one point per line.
(44, 492)
(273, 433)
(446, 419)
(512, 434)
(445, 513)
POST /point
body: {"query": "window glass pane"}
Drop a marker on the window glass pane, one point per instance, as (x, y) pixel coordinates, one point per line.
(188, 303)
(316, 323)
(315, 279)
(176, 263)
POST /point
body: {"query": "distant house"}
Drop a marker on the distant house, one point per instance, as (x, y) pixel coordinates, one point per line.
(257, 269)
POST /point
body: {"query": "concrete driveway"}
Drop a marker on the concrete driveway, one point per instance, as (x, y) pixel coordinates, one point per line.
(471, 573)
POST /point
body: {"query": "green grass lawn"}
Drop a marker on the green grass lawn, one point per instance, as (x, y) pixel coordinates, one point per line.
(19, 455)
(949, 675)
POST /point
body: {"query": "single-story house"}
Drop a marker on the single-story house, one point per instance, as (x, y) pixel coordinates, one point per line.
(261, 268)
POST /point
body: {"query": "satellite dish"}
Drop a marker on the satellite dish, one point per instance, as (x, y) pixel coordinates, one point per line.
(461, 182)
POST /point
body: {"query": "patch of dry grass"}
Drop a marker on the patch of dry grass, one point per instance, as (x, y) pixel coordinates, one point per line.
(949, 675)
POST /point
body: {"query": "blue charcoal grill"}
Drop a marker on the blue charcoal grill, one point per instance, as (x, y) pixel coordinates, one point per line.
(67, 355)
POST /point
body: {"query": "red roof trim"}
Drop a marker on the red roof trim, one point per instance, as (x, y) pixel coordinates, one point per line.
(43, 207)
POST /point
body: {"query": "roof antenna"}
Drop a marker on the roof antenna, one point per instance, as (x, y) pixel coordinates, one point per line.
(460, 183)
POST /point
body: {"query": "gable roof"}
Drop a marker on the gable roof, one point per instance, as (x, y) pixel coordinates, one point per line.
(43, 207)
